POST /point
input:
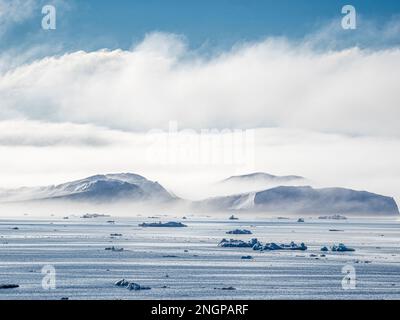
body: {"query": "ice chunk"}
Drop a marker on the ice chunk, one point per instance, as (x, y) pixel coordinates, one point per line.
(137, 287)
(170, 224)
(239, 231)
(341, 248)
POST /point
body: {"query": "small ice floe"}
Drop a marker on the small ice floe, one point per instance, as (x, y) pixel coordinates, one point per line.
(341, 248)
(338, 248)
(226, 288)
(291, 246)
(232, 243)
(137, 287)
(246, 258)
(365, 261)
(132, 286)
(300, 220)
(334, 217)
(9, 286)
(232, 217)
(170, 224)
(114, 249)
(93, 215)
(239, 231)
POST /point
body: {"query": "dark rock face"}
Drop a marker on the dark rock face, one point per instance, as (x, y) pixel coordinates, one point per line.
(309, 200)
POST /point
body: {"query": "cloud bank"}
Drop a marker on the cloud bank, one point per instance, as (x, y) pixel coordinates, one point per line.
(328, 115)
(271, 83)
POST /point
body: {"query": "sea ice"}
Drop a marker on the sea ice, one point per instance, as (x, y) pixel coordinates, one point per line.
(239, 231)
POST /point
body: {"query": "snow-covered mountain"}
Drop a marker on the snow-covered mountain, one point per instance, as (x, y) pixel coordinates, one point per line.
(133, 188)
(307, 200)
(262, 176)
(257, 181)
(98, 188)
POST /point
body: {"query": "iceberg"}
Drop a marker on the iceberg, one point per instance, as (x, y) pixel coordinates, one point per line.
(165, 225)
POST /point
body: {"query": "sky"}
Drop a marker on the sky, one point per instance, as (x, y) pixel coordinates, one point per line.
(208, 25)
(195, 91)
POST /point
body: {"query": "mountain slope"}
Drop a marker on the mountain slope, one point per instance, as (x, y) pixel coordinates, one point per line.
(255, 182)
(98, 188)
(289, 199)
(262, 177)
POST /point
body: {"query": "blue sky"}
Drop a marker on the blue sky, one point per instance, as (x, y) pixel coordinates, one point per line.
(94, 24)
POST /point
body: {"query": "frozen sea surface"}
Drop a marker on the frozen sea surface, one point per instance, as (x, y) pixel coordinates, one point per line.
(186, 263)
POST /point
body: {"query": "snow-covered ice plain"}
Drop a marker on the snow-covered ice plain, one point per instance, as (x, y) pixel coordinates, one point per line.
(186, 263)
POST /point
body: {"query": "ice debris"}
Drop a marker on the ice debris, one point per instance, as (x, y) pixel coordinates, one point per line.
(338, 248)
(130, 285)
(341, 248)
(257, 245)
(115, 249)
(170, 224)
(239, 231)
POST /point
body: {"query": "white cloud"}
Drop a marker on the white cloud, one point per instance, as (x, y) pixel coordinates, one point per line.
(335, 113)
(270, 83)
(41, 134)
(372, 34)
